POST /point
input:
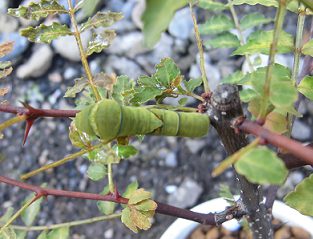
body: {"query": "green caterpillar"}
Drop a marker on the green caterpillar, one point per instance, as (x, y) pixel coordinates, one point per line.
(109, 120)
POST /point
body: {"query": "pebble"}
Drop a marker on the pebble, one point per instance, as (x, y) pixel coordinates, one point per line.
(109, 233)
(67, 47)
(170, 189)
(38, 64)
(8, 23)
(181, 25)
(186, 195)
(212, 73)
(55, 77)
(70, 73)
(195, 145)
(171, 160)
(20, 45)
(4, 6)
(300, 131)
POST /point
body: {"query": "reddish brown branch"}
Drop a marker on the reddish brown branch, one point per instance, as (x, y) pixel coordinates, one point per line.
(207, 219)
(301, 152)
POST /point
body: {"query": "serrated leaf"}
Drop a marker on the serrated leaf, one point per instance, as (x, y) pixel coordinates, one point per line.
(99, 42)
(8, 233)
(106, 207)
(212, 5)
(268, 3)
(45, 34)
(35, 11)
(224, 40)
(302, 197)
(140, 220)
(5, 64)
(307, 48)
(130, 189)
(143, 95)
(192, 84)
(60, 233)
(216, 24)
(167, 72)
(138, 196)
(101, 19)
(146, 205)
(260, 41)
(6, 48)
(6, 216)
(43, 235)
(234, 78)
(125, 151)
(20, 234)
(79, 85)
(306, 87)
(123, 90)
(127, 220)
(246, 95)
(96, 171)
(276, 122)
(262, 166)
(4, 73)
(30, 213)
(253, 20)
(157, 17)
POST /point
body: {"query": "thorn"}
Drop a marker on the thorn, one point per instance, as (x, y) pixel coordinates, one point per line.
(29, 124)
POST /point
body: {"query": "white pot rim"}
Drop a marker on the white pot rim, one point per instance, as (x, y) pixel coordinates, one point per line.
(181, 228)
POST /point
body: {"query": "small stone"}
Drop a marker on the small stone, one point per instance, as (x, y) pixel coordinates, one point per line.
(4, 6)
(181, 25)
(212, 234)
(55, 77)
(67, 47)
(53, 98)
(300, 131)
(43, 158)
(109, 233)
(194, 145)
(70, 73)
(300, 233)
(37, 65)
(186, 195)
(170, 189)
(171, 160)
(282, 233)
(295, 177)
(8, 24)
(302, 108)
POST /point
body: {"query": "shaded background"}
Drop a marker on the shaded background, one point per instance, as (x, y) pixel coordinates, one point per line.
(176, 170)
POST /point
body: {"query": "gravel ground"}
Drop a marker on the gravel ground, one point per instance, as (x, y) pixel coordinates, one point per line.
(165, 165)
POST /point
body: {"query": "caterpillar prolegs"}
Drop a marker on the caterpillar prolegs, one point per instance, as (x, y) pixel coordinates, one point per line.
(109, 120)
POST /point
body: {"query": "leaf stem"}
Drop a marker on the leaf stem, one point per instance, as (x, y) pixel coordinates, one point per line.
(110, 178)
(12, 121)
(280, 16)
(67, 224)
(82, 52)
(58, 163)
(18, 213)
(201, 54)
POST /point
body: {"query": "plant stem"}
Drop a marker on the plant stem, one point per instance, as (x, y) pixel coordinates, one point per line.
(239, 30)
(18, 213)
(82, 52)
(200, 49)
(67, 224)
(110, 178)
(280, 16)
(12, 121)
(58, 163)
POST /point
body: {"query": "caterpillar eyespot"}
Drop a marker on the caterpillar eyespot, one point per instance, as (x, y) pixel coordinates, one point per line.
(109, 120)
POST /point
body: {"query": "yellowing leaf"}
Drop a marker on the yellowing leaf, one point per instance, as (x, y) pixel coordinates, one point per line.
(262, 166)
(127, 220)
(45, 34)
(212, 5)
(216, 24)
(276, 122)
(35, 11)
(5, 48)
(225, 40)
(306, 87)
(138, 196)
(140, 220)
(307, 48)
(4, 91)
(302, 197)
(6, 72)
(102, 19)
(146, 205)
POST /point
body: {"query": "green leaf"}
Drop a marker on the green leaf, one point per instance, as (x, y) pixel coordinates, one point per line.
(224, 40)
(253, 19)
(45, 34)
(106, 207)
(167, 72)
(157, 17)
(8, 233)
(307, 48)
(20, 234)
(101, 19)
(145, 94)
(43, 235)
(182, 101)
(130, 189)
(234, 78)
(276, 122)
(260, 41)
(226, 193)
(306, 87)
(99, 42)
(127, 220)
(212, 5)
(216, 24)
(260, 165)
(35, 11)
(123, 90)
(268, 3)
(79, 85)
(29, 214)
(96, 171)
(138, 196)
(125, 151)
(88, 7)
(308, 3)
(146, 205)
(78, 138)
(246, 95)
(60, 233)
(192, 84)
(8, 213)
(302, 197)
